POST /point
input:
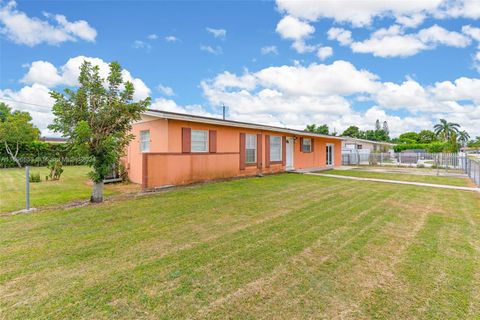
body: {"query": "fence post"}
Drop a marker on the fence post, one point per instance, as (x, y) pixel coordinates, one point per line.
(27, 187)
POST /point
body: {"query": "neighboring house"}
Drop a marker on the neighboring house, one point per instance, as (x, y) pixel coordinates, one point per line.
(365, 146)
(172, 149)
(53, 139)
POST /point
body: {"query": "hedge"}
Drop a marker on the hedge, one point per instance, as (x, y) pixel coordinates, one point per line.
(38, 153)
(434, 147)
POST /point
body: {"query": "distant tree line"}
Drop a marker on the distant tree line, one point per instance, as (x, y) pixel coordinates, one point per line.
(445, 137)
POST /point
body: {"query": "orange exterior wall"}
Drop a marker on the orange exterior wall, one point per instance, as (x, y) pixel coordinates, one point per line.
(165, 164)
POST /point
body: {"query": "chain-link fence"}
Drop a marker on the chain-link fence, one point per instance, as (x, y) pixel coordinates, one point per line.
(472, 169)
(440, 161)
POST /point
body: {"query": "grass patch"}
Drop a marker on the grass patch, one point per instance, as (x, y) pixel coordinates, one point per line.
(74, 184)
(452, 181)
(284, 246)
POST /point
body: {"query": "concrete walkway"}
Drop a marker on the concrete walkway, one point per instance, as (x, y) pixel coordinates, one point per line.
(443, 186)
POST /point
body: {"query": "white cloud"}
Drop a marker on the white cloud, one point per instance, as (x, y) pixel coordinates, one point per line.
(166, 90)
(152, 36)
(171, 39)
(393, 42)
(139, 44)
(218, 33)
(297, 95)
(363, 13)
(409, 95)
(344, 37)
(213, 50)
(324, 53)
(459, 90)
(170, 105)
(472, 32)
(293, 29)
(46, 74)
(22, 29)
(438, 35)
(38, 103)
(269, 50)
(461, 9)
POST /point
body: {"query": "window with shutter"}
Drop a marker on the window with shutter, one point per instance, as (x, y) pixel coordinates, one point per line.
(306, 145)
(250, 148)
(275, 148)
(199, 141)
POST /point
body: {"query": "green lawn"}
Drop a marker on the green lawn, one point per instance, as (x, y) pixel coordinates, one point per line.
(453, 181)
(73, 185)
(285, 246)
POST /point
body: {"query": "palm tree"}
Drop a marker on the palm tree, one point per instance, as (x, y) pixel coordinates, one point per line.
(463, 138)
(445, 129)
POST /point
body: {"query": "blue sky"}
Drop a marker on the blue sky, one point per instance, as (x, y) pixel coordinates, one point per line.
(285, 63)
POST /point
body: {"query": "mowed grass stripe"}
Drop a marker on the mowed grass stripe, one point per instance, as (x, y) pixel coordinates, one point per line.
(437, 273)
(187, 257)
(220, 251)
(338, 235)
(188, 265)
(70, 231)
(129, 237)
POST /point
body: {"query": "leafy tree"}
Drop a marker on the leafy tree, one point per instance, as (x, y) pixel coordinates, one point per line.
(445, 129)
(323, 129)
(311, 128)
(352, 131)
(463, 138)
(427, 136)
(5, 110)
(474, 143)
(17, 129)
(409, 137)
(385, 128)
(452, 144)
(97, 119)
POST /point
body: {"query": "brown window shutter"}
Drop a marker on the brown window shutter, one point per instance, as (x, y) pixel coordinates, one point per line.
(301, 144)
(284, 150)
(212, 141)
(267, 151)
(312, 144)
(242, 151)
(259, 151)
(186, 140)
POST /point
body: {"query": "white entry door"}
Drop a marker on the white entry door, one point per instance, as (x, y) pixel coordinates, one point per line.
(289, 154)
(329, 153)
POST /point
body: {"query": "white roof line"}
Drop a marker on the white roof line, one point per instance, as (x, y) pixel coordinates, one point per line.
(230, 123)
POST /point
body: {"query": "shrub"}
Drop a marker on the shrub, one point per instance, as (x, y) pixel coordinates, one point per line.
(436, 147)
(420, 165)
(56, 170)
(35, 177)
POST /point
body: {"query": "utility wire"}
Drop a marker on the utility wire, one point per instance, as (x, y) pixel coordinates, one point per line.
(17, 101)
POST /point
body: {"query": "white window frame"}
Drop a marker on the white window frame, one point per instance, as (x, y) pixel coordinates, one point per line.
(307, 145)
(254, 138)
(280, 149)
(206, 141)
(143, 141)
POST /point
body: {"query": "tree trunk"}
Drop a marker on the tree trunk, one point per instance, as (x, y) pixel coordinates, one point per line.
(97, 193)
(13, 156)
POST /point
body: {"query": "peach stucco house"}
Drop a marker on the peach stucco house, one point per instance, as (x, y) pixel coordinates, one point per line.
(173, 149)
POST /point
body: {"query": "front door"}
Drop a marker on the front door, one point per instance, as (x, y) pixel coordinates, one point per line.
(329, 160)
(289, 154)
